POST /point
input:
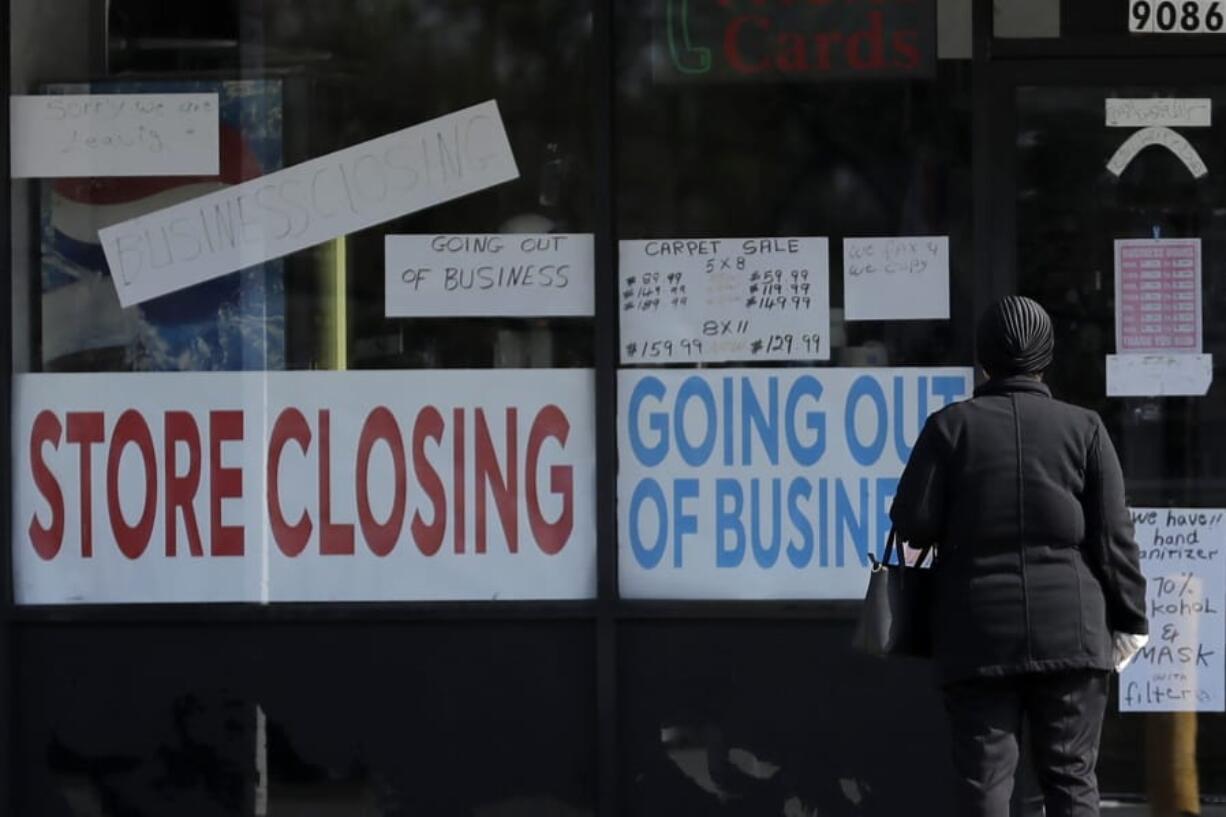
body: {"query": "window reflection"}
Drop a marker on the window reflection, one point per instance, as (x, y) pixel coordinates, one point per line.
(310, 721)
(789, 158)
(331, 74)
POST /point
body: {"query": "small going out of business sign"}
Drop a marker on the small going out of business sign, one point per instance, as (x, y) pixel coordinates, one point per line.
(511, 275)
(764, 483)
(793, 40)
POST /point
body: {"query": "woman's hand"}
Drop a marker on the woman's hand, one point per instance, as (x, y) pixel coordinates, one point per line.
(1125, 647)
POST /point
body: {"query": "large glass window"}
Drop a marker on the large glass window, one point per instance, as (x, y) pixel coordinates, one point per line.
(294, 82)
(786, 145)
(303, 299)
(259, 193)
(751, 121)
(808, 146)
(304, 485)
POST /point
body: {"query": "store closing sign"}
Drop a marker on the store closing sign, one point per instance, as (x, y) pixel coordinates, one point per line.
(759, 484)
(304, 486)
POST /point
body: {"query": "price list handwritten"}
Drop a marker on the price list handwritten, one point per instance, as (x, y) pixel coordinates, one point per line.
(725, 299)
(1158, 301)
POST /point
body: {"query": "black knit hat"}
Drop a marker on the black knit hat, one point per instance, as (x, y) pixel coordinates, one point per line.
(1015, 337)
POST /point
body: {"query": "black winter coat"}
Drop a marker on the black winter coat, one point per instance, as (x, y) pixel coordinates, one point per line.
(1023, 497)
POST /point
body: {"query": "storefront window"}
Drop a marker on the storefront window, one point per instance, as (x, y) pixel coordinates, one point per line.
(793, 151)
(805, 132)
(302, 314)
(297, 82)
(321, 312)
(787, 146)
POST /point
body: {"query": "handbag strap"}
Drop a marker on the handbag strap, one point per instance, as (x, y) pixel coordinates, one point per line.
(894, 546)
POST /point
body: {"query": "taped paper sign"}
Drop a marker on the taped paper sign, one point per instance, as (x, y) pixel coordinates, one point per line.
(1159, 375)
(764, 483)
(896, 278)
(719, 299)
(92, 135)
(1166, 112)
(1182, 557)
(489, 275)
(1164, 137)
(304, 486)
(309, 203)
(1158, 295)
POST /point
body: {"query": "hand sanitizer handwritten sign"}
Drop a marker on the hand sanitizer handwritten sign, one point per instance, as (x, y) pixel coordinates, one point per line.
(1183, 556)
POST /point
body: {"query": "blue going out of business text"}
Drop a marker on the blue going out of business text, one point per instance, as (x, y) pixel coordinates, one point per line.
(744, 443)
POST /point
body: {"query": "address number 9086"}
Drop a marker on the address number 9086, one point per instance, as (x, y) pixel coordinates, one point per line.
(1176, 17)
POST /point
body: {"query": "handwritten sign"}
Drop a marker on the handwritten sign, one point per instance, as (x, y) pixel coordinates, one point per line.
(1159, 375)
(1157, 295)
(717, 299)
(896, 278)
(1183, 556)
(309, 203)
(1171, 113)
(1164, 137)
(489, 275)
(84, 135)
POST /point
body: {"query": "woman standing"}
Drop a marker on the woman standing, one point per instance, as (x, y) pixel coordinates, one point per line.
(1039, 590)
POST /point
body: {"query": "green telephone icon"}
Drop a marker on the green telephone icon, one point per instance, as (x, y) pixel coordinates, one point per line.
(685, 51)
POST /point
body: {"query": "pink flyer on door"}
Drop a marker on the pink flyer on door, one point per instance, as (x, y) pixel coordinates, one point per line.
(1158, 295)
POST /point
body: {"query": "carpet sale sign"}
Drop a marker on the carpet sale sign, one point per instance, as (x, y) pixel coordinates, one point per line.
(304, 486)
(764, 483)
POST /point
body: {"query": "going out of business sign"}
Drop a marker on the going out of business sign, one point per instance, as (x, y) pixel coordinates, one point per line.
(793, 40)
(304, 486)
(764, 483)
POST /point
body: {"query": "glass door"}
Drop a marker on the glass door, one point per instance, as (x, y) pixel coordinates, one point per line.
(1110, 210)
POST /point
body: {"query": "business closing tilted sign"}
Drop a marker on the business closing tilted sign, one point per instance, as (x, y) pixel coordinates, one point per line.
(304, 486)
(307, 204)
(764, 483)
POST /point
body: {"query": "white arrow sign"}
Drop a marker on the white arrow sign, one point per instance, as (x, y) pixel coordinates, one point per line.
(1163, 137)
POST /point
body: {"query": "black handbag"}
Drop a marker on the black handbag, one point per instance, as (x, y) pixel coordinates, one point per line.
(895, 618)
